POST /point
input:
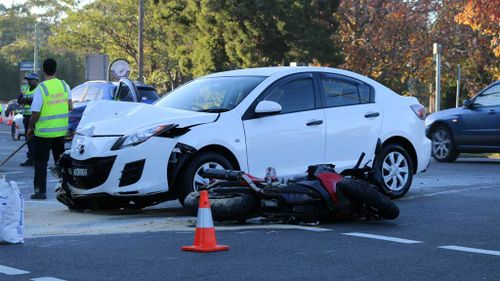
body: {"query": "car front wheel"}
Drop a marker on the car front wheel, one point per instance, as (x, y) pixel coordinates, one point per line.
(443, 147)
(395, 168)
(191, 179)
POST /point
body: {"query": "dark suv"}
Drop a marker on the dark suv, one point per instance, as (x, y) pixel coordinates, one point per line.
(472, 128)
(124, 90)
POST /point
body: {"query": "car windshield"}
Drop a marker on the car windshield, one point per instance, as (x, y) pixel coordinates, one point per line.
(215, 94)
(147, 95)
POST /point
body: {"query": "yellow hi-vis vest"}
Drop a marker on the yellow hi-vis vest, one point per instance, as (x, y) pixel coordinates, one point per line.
(53, 121)
(27, 107)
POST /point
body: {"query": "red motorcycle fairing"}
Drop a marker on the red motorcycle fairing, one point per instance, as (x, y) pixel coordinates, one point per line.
(329, 182)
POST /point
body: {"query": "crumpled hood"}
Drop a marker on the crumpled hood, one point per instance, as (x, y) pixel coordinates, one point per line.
(103, 118)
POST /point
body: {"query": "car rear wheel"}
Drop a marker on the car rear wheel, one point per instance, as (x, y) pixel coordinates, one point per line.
(395, 168)
(191, 179)
(443, 147)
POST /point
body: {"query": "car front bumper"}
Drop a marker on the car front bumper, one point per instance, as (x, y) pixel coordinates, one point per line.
(132, 171)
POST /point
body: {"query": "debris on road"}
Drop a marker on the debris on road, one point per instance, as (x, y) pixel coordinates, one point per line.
(11, 213)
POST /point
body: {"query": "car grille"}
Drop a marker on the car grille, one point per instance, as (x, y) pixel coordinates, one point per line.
(132, 172)
(98, 171)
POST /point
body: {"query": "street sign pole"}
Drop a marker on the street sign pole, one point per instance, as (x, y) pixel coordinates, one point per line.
(458, 87)
(141, 51)
(35, 51)
(436, 51)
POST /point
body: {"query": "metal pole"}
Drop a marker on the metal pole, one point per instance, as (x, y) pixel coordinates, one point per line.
(35, 51)
(141, 51)
(458, 87)
(436, 50)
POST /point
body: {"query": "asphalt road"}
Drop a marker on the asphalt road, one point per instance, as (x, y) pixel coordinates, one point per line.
(448, 230)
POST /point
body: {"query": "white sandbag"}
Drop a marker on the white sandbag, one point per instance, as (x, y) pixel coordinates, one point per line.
(11, 213)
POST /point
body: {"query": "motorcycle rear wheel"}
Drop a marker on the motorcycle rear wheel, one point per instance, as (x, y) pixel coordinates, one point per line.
(224, 206)
(361, 192)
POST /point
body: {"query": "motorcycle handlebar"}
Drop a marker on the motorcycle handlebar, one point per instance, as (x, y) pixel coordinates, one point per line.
(222, 174)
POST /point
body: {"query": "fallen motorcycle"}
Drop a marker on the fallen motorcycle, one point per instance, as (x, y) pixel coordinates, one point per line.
(321, 195)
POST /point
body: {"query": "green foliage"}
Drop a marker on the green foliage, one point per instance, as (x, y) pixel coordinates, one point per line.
(17, 38)
(189, 38)
(9, 79)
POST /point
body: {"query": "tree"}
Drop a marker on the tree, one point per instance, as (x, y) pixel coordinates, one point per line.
(483, 16)
(391, 41)
(386, 40)
(465, 46)
(17, 38)
(189, 38)
(9, 79)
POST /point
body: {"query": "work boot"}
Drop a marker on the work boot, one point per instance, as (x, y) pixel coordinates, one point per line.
(38, 196)
(27, 163)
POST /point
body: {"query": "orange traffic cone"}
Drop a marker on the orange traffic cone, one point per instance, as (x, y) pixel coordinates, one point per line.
(204, 237)
(11, 117)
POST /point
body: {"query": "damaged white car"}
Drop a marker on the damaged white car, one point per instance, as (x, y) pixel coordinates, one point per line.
(137, 155)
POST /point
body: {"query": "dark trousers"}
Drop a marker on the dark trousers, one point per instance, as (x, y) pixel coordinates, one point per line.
(26, 123)
(42, 148)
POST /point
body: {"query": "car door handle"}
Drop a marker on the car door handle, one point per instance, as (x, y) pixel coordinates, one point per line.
(372, 115)
(315, 123)
(492, 111)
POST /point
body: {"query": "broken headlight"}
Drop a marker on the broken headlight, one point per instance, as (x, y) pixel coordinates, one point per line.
(141, 136)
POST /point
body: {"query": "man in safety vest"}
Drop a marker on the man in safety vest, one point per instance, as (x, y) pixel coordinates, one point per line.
(48, 123)
(26, 99)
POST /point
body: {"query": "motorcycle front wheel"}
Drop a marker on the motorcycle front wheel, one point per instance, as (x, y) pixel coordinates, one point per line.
(360, 192)
(224, 206)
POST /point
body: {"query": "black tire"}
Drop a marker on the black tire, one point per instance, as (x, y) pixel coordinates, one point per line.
(227, 206)
(443, 134)
(400, 189)
(185, 185)
(361, 192)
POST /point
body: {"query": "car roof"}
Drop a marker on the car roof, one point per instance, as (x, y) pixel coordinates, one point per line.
(269, 71)
(97, 83)
(257, 71)
(287, 70)
(494, 83)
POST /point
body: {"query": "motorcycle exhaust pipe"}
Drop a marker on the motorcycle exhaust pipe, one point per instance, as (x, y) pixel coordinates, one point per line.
(222, 174)
(230, 175)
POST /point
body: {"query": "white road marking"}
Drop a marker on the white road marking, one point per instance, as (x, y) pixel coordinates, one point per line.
(449, 191)
(11, 271)
(315, 229)
(471, 250)
(47, 279)
(380, 237)
(11, 173)
(49, 201)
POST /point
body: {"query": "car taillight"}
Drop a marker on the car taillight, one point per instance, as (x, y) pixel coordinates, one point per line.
(419, 110)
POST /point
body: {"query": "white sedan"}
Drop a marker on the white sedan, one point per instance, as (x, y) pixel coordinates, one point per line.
(249, 119)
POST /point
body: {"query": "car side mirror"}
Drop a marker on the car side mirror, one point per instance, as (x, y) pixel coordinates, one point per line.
(266, 107)
(468, 103)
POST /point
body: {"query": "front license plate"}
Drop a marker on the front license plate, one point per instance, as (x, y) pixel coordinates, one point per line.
(80, 172)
